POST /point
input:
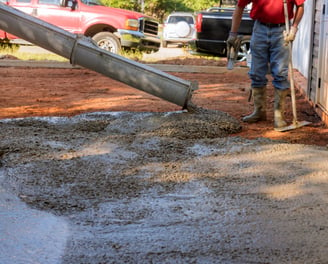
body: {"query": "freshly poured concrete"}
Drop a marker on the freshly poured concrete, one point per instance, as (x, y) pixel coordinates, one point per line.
(158, 188)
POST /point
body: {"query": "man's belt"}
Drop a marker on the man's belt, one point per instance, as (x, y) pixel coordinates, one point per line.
(272, 25)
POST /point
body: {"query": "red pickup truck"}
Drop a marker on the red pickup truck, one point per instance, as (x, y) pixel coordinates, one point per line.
(111, 28)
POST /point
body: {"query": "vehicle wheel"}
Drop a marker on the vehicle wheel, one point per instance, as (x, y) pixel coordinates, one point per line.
(108, 41)
(183, 29)
(164, 44)
(245, 48)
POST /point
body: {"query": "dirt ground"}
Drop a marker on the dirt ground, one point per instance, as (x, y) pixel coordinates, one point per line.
(94, 171)
(68, 92)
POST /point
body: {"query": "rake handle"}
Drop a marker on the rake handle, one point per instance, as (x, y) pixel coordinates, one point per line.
(290, 66)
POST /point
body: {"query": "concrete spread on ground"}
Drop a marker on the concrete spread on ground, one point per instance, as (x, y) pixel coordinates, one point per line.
(157, 188)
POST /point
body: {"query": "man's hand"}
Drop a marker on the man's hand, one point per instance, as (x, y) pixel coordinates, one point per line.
(290, 36)
(232, 40)
(233, 46)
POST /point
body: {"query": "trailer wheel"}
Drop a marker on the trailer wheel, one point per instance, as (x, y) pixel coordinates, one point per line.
(108, 41)
(164, 44)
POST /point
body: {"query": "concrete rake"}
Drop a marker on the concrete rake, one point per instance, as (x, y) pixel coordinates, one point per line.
(296, 124)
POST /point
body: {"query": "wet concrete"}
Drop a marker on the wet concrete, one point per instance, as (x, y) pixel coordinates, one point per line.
(29, 235)
(158, 188)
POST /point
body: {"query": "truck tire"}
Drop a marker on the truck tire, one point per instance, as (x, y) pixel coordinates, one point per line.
(108, 41)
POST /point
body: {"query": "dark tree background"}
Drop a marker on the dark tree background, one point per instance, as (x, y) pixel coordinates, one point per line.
(161, 8)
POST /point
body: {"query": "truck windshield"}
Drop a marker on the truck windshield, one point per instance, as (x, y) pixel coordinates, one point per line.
(92, 2)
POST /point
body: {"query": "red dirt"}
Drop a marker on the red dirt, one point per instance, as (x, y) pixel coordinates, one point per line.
(27, 92)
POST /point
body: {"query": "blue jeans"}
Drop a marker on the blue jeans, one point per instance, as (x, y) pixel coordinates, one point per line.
(268, 49)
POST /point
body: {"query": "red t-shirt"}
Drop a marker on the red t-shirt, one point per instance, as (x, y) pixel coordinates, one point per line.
(270, 11)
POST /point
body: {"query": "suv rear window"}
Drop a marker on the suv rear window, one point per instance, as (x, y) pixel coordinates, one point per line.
(177, 19)
(49, 2)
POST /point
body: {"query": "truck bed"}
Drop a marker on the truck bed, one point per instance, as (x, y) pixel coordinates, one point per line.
(213, 30)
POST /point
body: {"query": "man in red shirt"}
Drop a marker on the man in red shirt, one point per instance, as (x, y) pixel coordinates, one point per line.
(269, 49)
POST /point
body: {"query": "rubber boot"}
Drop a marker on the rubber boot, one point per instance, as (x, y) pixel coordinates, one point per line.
(279, 107)
(259, 113)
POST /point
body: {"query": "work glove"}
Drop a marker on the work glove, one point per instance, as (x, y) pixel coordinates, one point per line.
(289, 37)
(232, 40)
(233, 46)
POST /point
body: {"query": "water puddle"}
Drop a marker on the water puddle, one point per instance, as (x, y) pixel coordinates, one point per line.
(28, 235)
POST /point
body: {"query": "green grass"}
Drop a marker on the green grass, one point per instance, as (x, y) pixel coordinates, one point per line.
(7, 47)
(38, 57)
(132, 54)
(13, 50)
